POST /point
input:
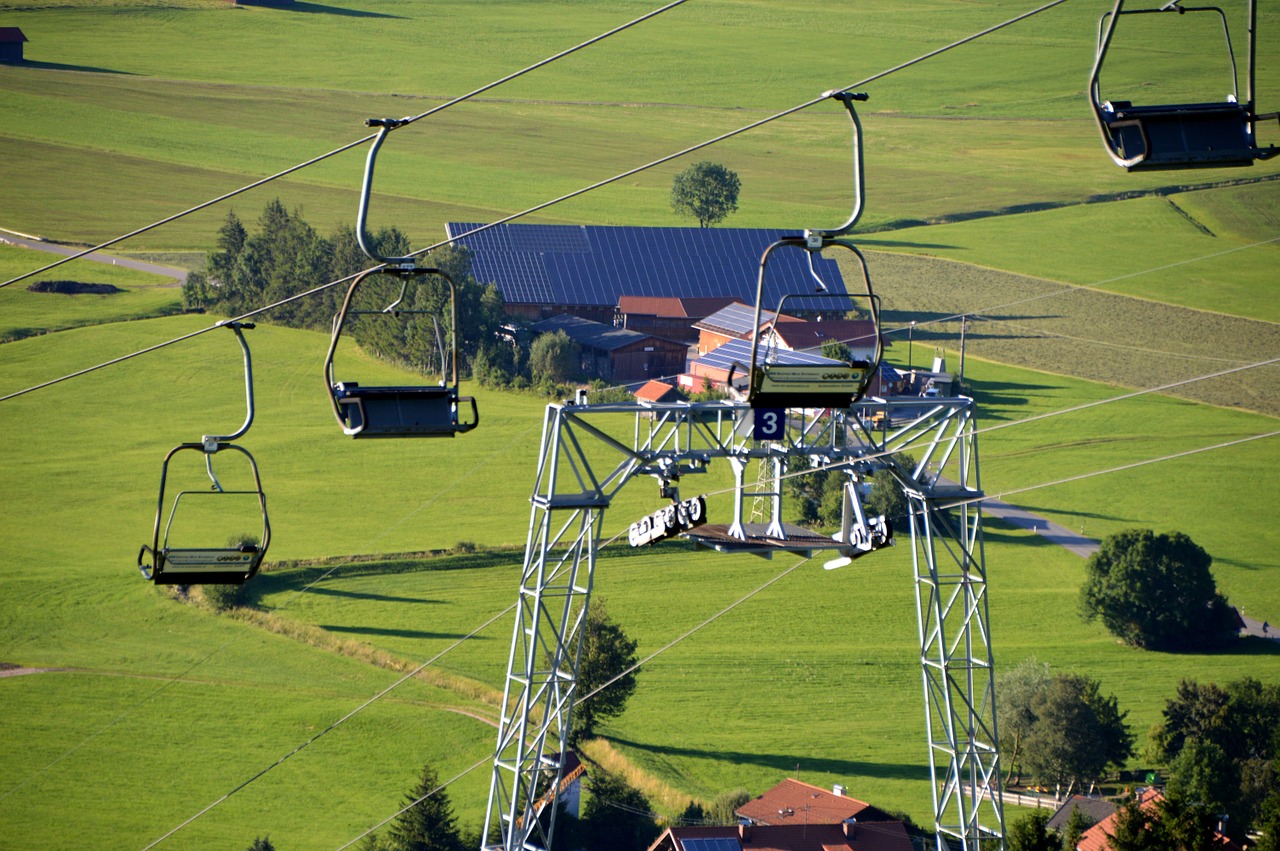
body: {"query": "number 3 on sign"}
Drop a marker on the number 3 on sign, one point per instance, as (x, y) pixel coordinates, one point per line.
(770, 423)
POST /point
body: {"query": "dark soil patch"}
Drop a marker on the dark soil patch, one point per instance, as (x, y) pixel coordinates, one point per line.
(73, 288)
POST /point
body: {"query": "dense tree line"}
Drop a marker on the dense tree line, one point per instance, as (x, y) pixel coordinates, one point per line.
(284, 256)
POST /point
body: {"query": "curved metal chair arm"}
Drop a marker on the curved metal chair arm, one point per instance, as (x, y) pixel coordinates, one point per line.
(385, 126)
(859, 193)
(214, 442)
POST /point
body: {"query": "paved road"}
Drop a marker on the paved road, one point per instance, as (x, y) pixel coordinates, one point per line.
(1084, 547)
(179, 275)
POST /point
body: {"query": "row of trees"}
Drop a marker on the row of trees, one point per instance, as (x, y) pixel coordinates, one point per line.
(1221, 746)
(283, 256)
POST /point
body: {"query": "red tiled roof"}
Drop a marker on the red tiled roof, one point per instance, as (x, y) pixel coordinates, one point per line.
(654, 391)
(876, 836)
(793, 802)
(673, 307)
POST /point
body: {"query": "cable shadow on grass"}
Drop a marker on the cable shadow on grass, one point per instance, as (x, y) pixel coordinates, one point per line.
(785, 764)
(361, 595)
(399, 633)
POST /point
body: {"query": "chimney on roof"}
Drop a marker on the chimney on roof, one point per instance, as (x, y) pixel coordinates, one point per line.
(744, 830)
(850, 826)
(838, 789)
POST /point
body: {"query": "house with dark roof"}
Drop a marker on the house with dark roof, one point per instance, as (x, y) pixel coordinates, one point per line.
(859, 335)
(617, 355)
(11, 41)
(1098, 837)
(585, 270)
(1094, 810)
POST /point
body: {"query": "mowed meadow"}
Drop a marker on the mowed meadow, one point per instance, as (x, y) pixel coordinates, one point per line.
(988, 195)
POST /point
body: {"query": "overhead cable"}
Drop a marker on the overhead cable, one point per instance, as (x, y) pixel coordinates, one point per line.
(409, 120)
(599, 184)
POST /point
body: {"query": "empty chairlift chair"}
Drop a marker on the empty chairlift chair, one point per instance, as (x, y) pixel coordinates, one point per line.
(189, 557)
(1155, 136)
(777, 384)
(366, 411)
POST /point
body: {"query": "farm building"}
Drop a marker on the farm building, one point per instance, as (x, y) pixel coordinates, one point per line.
(617, 355)
(546, 270)
(732, 322)
(672, 318)
(11, 41)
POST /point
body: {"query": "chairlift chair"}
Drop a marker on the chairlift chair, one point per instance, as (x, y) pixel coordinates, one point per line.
(366, 411)
(822, 385)
(164, 562)
(1150, 137)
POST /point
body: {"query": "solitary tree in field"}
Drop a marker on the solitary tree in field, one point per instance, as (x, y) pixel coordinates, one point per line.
(606, 653)
(705, 191)
(1156, 591)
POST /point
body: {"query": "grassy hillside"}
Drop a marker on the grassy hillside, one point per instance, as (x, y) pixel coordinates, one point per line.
(998, 123)
(832, 668)
(131, 110)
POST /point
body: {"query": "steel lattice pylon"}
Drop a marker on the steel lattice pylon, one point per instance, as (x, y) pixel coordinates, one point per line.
(590, 452)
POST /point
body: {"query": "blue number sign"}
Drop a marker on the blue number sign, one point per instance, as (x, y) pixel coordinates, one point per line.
(770, 423)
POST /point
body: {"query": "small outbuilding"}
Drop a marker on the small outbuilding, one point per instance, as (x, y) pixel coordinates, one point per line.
(11, 41)
(617, 355)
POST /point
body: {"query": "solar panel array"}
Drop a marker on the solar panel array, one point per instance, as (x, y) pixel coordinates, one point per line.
(740, 351)
(735, 319)
(594, 265)
(711, 843)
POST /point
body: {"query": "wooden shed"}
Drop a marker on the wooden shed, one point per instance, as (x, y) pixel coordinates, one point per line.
(11, 41)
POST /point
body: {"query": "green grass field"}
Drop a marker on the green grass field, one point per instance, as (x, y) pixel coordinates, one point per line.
(131, 110)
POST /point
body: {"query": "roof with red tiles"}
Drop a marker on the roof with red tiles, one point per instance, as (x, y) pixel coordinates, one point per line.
(672, 307)
(876, 836)
(654, 391)
(792, 801)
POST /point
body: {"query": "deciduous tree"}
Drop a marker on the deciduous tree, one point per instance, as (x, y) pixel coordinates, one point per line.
(1156, 591)
(705, 191)
(1078, 732)
(1017, 691)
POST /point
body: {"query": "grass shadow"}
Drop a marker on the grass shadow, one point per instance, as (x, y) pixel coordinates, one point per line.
(320, 8)
(785, 764)
(59, 66)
